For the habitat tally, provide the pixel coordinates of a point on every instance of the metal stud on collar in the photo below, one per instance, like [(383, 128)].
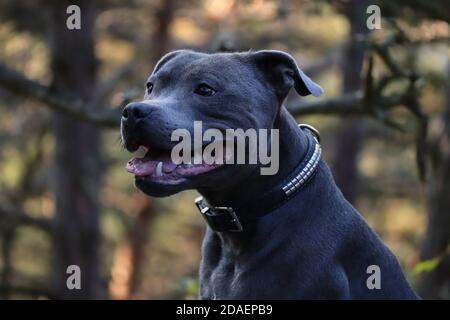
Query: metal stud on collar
[(307, 171)]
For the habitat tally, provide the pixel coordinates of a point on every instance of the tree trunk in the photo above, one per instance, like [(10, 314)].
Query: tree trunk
[(77, 237), (436, 283), (130, 255), (164, 17), (350, 137)]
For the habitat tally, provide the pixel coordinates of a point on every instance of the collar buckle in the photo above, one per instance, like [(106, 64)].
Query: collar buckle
[(219, 218)]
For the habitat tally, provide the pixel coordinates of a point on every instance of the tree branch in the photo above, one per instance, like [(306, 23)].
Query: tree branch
[(17, 217), (346, 104), (19, 84), (351, 103)]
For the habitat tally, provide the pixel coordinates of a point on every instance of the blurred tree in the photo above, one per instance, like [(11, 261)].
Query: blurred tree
[(30, 16), (71, 99), (164, 17), (436, 283), (77, 158), (350, 137)]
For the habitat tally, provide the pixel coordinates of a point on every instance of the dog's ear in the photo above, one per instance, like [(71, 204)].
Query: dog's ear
[(283, 73), (167, 57)]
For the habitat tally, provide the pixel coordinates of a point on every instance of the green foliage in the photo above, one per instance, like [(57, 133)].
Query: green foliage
[(427, 265)]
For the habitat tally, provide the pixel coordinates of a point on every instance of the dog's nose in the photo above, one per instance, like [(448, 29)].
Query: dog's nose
[(135, 111)]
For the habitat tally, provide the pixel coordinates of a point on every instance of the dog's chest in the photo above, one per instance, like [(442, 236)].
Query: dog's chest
[(224, 275), (226, 279)]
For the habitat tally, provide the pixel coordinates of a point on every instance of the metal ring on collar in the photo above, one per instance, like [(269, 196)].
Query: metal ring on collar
[(312, 129)]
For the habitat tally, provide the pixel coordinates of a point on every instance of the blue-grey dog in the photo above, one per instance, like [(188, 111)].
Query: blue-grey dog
[(290, 235)]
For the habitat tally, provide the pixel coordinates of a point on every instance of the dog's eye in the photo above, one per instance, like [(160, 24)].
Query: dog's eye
[(204, 90), (149, 86)]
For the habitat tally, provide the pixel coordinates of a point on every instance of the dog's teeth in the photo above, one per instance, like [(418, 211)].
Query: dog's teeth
[(159, 169)]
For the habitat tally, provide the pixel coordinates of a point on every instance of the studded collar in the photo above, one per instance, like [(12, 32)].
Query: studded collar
[(235, 219)]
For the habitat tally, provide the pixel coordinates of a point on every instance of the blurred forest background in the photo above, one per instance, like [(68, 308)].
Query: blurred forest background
[(66, 198)]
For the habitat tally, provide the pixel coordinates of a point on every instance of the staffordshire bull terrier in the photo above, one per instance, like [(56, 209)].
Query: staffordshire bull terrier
[(290, 235)]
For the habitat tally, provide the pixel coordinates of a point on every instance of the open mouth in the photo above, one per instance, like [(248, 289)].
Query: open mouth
[(157, 166)]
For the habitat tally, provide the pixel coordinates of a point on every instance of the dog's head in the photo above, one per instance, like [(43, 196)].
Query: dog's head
[(224, 91)]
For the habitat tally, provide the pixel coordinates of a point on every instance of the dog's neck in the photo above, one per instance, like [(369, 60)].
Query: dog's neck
[(293, 145)]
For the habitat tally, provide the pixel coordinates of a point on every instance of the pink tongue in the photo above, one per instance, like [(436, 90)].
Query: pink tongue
[(147, 165), (141, 166), (168, 167)]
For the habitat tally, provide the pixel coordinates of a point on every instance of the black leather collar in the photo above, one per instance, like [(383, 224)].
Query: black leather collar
[(236, 218)]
